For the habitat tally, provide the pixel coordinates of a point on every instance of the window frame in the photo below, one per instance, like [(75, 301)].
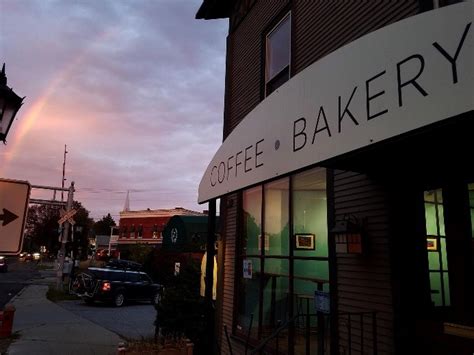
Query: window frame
[(240, 254), (287, 68)]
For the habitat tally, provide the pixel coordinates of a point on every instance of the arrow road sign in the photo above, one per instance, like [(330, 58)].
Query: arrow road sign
[(14, 198), (7, 217)]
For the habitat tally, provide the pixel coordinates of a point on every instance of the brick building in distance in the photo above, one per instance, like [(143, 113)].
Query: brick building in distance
[(146, 226)]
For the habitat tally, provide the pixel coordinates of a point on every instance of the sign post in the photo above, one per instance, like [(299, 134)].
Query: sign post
[(14, 199), (66, 217)]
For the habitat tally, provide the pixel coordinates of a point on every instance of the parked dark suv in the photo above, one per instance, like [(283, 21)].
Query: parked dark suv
[(118, 282)]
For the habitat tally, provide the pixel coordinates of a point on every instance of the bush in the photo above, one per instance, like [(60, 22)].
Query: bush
[(138, 253), (181, 310), (160, 264)]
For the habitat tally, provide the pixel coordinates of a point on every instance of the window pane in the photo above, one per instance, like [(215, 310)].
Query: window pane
[(447, 299), (433, 260), (276, 217), (310, 210), (308, 273), (278, 49), (441, 220), (444, 257), (252, 206), (435, 283), (248, 299), (430, 216), (275, 295)]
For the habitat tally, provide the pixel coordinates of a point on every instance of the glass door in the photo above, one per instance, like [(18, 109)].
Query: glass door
[(436, 248), (449, 227)]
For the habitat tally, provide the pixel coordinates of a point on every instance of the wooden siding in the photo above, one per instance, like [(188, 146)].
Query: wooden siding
[(246, 61), (231, 218), (364, 283), (320, 27)]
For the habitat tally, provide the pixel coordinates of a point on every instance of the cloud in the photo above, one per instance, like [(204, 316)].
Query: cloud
[(135, 90)]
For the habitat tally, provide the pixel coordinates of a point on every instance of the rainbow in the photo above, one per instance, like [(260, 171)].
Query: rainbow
[(27, 121)]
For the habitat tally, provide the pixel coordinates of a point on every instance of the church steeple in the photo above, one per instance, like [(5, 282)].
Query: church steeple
[(126, 207)]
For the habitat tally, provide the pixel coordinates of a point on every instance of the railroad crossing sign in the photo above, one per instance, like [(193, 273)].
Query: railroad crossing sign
[(14, 199), (67, 216)]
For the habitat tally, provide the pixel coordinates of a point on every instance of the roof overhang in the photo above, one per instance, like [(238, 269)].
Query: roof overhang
[(214, 9), (402, 77)]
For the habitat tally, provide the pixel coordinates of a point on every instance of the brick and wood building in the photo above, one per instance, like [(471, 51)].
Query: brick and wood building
[(345, 176)]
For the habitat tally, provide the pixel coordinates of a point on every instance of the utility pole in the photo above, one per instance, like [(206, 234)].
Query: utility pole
[(64, 172), (64, 238)]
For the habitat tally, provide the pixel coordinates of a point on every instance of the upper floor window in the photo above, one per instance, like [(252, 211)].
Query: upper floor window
[(277, 55)]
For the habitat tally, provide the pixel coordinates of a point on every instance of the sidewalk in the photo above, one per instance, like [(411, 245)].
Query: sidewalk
[(46, 328)]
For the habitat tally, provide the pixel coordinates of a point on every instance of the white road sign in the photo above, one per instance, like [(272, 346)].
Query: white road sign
[(67, 216), (14, 198)]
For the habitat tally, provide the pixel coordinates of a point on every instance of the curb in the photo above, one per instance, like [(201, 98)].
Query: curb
[(17, 295)]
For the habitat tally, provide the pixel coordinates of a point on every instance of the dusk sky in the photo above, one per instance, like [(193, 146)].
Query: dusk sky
[(135, 90)]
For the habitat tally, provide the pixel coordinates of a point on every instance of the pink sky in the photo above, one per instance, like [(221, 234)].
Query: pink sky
[(134, 88)]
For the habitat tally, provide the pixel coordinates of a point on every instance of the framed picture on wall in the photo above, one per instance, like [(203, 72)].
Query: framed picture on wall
[(432, 243), (305, 241)]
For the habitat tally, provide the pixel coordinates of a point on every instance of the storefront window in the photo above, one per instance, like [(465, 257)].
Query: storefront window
[(292, 254), (436, 247), (275, 296), (276, 218), (250, 266), (248, 295), (310, 212), (252, 209)]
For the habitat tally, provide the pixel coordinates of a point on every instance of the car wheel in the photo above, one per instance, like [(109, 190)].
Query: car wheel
[(156, 299), (88, 301), (119, 299)]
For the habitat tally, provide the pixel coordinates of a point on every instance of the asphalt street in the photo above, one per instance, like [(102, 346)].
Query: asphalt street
[(18, 275), (132, 321)]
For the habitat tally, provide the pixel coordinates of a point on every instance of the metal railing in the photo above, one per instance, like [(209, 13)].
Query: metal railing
[(357, 335)]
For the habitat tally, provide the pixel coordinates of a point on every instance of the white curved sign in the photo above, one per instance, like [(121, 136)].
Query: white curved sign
[(402, 77)]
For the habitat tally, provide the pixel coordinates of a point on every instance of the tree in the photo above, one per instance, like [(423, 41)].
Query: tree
[(181, 309), (42, 228), (139, 252), (102, 227)]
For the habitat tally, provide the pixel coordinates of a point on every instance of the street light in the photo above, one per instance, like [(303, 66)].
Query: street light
[(10, 103)]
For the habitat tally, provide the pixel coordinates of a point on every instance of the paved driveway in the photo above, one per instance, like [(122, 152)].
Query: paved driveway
[(133, 321)]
